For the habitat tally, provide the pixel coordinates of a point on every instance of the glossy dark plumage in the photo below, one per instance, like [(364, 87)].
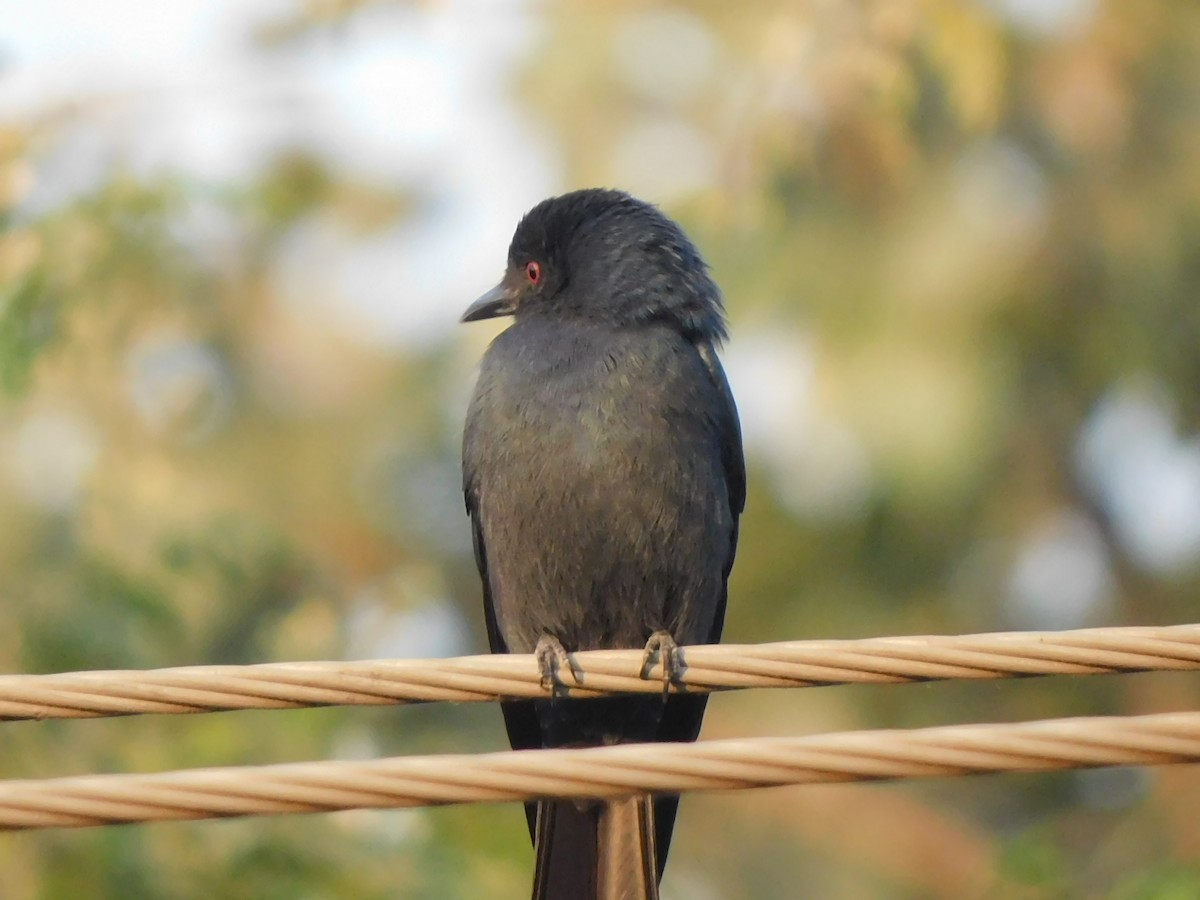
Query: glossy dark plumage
[(603, 474)]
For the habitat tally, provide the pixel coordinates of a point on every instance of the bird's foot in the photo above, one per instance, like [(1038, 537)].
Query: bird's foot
[(662, 645), (551, 657)]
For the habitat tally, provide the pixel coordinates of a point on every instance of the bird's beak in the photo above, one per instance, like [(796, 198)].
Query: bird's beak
[(499, 301)]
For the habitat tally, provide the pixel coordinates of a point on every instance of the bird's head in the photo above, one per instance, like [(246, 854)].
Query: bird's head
[(604, 256)]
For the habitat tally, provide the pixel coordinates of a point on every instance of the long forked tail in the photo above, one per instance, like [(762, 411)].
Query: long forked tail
[(601, 850)]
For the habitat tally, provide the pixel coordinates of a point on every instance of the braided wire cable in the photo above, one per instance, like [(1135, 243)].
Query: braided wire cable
[(601, 771), (197, 689)]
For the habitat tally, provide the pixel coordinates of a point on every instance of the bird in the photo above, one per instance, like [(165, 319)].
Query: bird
[(604, 479)]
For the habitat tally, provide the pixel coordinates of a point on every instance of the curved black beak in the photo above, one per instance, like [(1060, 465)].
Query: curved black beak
[(499, 301)]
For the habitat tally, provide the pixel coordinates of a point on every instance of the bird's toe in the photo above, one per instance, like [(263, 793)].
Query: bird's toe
[(552, 656), (662, 646)]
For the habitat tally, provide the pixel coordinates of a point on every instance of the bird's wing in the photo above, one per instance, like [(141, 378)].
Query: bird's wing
[(495, 638), (523, 730), (520, 716), (683, 713), (732, 458)]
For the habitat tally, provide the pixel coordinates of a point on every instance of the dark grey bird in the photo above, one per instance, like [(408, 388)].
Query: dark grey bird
[(603, 473)]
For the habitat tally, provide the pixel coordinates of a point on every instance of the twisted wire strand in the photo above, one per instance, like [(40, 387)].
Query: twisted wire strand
[(198, 689), (601, 771)]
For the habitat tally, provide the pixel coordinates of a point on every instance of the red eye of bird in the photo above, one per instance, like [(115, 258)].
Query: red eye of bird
[(533, 272)]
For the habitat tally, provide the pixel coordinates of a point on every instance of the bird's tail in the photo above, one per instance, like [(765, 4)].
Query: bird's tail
[(600, 850)]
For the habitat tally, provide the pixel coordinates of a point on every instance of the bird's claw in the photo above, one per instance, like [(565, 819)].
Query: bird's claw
[(551, 657), (663, 646)]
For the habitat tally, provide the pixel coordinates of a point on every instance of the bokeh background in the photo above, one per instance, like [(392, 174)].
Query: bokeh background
[(960, 246)]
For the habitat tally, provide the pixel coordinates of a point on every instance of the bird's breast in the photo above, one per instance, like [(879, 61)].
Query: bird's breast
[(600, 490)]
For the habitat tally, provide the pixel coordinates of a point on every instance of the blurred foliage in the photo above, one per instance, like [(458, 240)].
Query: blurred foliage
[(949, 234)]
